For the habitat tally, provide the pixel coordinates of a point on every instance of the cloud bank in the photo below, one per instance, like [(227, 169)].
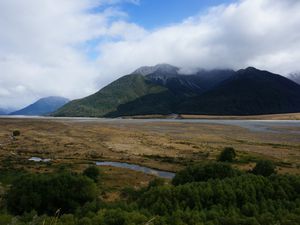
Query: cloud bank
[(67, 48), (260, 33)]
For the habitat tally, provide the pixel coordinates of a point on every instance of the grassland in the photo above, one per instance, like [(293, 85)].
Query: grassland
[(163, 145)]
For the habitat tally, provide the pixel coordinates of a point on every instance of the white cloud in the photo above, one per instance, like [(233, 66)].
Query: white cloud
[(41, 47), (260, 33), (44, 50)]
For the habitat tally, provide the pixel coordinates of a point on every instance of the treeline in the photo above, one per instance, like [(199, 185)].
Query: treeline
[(208, 194)]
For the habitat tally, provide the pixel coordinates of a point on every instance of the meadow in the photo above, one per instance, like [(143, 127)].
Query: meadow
[(167, 145)]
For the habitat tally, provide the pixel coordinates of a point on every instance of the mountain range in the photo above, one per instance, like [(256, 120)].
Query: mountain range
[(43, 106), (162, 89)]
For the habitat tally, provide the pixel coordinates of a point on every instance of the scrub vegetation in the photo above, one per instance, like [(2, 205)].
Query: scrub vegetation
[(201, 194)]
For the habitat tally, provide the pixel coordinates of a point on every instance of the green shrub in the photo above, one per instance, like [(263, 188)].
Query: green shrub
[(16, 133), (67, 219), (92, 172), (200, 172), (156, 182), (5, 219), (121, 217), (264, 168), (227, 155), (85, 221), (46, 193)]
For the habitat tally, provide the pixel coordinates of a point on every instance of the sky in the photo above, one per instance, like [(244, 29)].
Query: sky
[(72, 48)]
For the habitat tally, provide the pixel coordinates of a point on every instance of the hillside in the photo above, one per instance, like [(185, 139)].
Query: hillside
[(124, 90), (43, 106), (248, 92)]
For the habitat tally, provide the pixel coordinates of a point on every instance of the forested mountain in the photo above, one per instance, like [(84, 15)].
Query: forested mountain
[(124, 90), (249, 91)]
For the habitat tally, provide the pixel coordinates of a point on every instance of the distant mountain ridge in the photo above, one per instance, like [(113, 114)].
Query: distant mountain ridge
[(4, 111), (163, 90), (43, 106)]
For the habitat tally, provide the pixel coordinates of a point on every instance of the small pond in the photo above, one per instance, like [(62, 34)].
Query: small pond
[(37, 159)]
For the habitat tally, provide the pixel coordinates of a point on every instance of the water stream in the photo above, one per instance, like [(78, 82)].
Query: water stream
[(147, 170)]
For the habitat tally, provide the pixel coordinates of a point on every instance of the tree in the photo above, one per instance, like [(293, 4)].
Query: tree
[(156, 182), (46, 193), (92, 172), (204, 172), (227, 155), (16, 133), (264, 168)]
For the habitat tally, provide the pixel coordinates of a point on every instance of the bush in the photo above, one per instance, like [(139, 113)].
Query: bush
[(264, 168), (204, 172), (46, 193), (92, 172), (227, 155), (16, 133), (121, 217), (5, 219), (156, 182)]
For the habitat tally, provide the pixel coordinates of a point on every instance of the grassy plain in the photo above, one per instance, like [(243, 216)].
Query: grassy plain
[(169, 146)]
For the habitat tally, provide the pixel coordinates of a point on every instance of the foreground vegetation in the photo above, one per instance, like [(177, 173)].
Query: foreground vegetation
[(212, 193)]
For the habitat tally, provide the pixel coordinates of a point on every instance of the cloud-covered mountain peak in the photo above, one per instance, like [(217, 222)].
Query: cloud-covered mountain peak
[(159, 69), (295, 77)]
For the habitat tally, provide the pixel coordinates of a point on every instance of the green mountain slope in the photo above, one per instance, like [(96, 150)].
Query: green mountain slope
[(124, 90), (163, 103)]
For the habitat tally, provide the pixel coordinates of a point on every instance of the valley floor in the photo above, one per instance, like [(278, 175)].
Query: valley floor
[(167, 145)]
